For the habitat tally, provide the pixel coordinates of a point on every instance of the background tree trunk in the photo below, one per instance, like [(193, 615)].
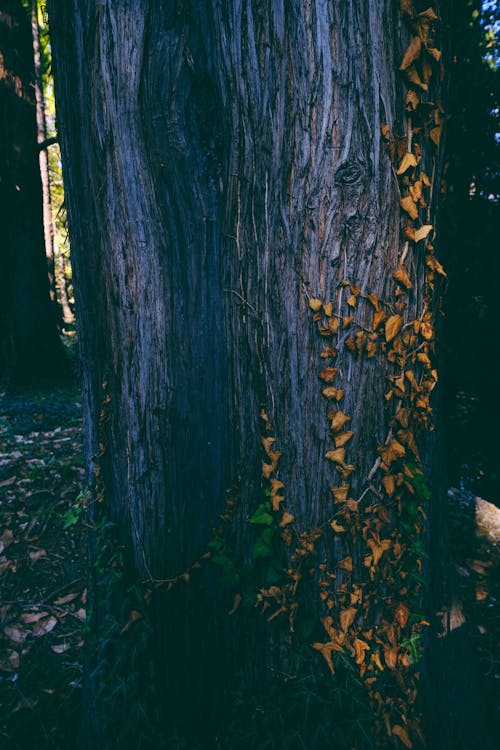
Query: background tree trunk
[(231, 168), (30, 345)]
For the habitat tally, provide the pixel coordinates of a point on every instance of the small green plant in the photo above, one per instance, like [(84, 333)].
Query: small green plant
[(75, 513)]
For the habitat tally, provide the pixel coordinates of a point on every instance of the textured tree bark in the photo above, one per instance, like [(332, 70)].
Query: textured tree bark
[(231, 167), (29, 343)]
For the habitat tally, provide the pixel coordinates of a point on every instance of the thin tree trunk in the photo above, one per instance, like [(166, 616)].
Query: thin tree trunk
[(29, 342), (232, 173)]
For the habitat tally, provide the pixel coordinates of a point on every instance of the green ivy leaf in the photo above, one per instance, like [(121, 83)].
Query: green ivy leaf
[(262, 516)]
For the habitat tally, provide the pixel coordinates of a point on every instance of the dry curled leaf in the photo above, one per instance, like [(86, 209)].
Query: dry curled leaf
[(328, 374), (412, 53), (407, 162), (360, 647), (402, 277), (347, 617), (286, 518), (342, 438), (339, 419), (409, 205), (315, 304), (421, 234), (402, 734), (340, 493), (393, 325)]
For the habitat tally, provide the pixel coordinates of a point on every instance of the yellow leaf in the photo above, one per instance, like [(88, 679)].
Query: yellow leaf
[(416, 193), (412, 100), (328, 352), (393, 326), (421, 234), (378, 317), (340, 493), (360, 647), (338, 529), (378, 548), (347, 320), (338, 420), (328, 309), (425, 179), (286, 518), (389, 484), (409, 205), (435, 265), (332, 392), (328, 374), (402, 277), (400, 732), (315, 304), (347, 617), (373, 298), (338, 455), (407, 162), (412, 53), (345, 564), (333, 324), (343, 437)]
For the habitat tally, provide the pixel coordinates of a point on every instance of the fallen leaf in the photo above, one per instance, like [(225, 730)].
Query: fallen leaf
[(30, 617), (36, 555), (44, 626), (66, 599), (15, 634), (8, 482), (60, 648)]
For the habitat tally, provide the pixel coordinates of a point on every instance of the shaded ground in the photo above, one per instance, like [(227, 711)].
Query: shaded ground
[(43, 597), (42, 604)]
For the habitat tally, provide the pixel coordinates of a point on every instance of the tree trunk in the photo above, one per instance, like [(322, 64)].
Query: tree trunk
[(230, 178), (30, 346)]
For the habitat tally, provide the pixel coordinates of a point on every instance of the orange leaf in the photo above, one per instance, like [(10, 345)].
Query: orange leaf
[(409, 205), (343, 437), (360, 647), (401, 276), (412, 53), (315, 304), (347, 617), (393, 326), (400, 732), (338, 420)]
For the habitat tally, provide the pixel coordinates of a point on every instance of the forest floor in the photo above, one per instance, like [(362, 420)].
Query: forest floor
[(42, 569), (43, 594)]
